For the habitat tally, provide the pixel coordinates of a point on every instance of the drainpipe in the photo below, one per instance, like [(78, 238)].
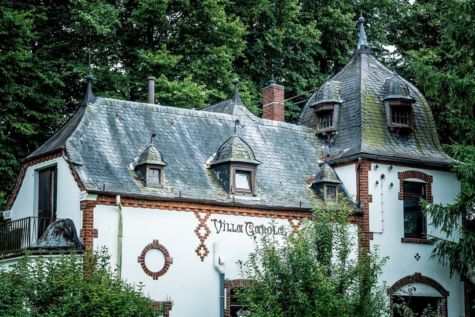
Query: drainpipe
[(119, 237), (219, 265)]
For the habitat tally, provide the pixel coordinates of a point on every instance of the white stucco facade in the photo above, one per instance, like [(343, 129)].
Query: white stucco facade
[(192, 284), (68, 193), (386, 224)]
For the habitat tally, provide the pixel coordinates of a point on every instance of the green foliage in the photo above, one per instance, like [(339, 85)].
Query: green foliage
[(313, 273), (67, 286)]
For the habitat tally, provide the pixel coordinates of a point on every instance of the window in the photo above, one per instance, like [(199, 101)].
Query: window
[(330, 193), (414, 218), (418, 304), (154, 177), (46, 198), (236, 309), (325, 119), (401, 116), (243, 180)]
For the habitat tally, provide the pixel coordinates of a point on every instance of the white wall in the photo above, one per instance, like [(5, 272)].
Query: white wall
[(347, 174), (386, 223), (68, 205), (191, 284)]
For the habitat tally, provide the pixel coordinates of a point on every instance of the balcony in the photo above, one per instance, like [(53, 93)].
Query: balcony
[(21, 234)]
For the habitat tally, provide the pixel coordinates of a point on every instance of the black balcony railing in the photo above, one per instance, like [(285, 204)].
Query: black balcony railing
[(18, 235)]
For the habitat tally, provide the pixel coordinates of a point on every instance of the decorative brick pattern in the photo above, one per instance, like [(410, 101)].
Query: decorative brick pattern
[(419, 278), (155, 245), (273, 102), (166, 306), (419, 175), (295, 224), (230, 286), (22, 174), (203, 208), (416, 240), (88, 232), (364, 198), (202, 232)]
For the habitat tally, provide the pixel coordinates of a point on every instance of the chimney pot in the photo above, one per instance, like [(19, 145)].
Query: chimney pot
[(273, 102), (151, 89)]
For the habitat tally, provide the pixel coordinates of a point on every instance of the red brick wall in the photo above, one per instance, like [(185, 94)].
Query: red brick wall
[(88, 232), (364, 198), (273, 102)]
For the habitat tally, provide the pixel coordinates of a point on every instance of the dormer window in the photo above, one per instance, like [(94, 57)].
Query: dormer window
[(398, 104), (325, 119), (326, 183), (235, 166), (401, 114), (331, 192), (154, 178), (149, 166), (242, 179), (326, 104)]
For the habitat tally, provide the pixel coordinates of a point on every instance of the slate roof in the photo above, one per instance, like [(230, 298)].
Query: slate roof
[(362, 124), (111, 134), (235, 149)]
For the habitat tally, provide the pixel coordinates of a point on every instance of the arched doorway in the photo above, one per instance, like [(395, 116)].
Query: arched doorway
[(419, 292)]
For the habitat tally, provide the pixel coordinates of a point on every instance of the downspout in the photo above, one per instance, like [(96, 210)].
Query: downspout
[(119, 237), (219, 265)]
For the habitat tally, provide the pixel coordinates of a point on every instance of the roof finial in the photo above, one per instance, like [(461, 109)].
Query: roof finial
[(89, 79), (236, 99), (152, 137), (362, 41)]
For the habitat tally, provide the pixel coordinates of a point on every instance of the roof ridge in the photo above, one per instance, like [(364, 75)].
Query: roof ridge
[(220, 115)]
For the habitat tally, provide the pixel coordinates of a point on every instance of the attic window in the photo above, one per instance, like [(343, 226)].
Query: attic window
[(243, 179), (154, 177), (331, 192), (401, 115), (325, 118)]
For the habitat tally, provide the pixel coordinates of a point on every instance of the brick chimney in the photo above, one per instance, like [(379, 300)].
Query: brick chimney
[(273, 101)]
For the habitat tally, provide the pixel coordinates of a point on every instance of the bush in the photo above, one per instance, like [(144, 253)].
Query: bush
[(314, 273), (68, 286)]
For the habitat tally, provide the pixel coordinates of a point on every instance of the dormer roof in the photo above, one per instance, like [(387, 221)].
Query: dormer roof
[(328, 93), (150, 155), (325, 174), (235, 149), (395, 88)]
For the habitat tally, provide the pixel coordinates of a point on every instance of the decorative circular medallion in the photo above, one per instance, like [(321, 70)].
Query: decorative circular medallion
[(168, 260)]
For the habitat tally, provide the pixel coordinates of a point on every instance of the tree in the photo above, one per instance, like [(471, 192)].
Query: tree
[(436, 44), (314, 272), (67, 286)]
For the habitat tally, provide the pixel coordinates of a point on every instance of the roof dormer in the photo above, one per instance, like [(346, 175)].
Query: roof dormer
[(326, 183), (235, 166), (150, 166), (398, 104), (326, 105)]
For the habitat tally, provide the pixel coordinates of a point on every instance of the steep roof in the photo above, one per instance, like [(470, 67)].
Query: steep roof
[(362, 123), (110, 135)]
